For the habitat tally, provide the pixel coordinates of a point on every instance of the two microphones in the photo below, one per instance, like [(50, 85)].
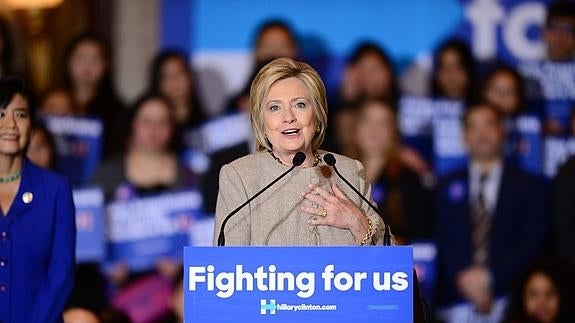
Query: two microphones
[(297, 160)]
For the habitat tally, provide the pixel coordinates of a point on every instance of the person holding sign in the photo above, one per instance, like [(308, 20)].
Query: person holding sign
[(311, 205), (37, 223), (148, 168)]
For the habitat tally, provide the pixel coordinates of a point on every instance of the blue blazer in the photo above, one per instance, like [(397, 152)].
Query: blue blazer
[(37, 248), (518, 230)]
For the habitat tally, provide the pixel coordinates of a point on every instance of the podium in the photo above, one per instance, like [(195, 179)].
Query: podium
[(298, 284)]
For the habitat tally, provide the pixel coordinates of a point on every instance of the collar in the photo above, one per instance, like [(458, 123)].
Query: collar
[(495, 171)]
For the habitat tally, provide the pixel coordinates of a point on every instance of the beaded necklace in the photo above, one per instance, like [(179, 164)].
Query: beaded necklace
[(10, 177), (317, 158)]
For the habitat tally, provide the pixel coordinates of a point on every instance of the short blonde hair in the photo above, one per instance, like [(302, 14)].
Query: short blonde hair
[(280, 69)]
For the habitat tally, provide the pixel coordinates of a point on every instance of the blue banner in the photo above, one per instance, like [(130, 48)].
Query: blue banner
[(416, 121), (78, 146), (557, 151), (524, 146), (449, 149), (525, 143), (509, 30), (551, 89), (90, 245), (298, 284), (220, 133), (143, 230), (425, 263)]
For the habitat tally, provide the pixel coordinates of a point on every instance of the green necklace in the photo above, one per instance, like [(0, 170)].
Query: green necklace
[(11, 177)]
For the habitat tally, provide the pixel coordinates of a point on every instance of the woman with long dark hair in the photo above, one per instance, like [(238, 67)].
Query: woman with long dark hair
[(172, 77), (543, 294), (88, 79), (397, 189), (453, 71)]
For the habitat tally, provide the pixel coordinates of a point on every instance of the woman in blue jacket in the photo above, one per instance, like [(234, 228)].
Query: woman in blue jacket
[(37, 227)]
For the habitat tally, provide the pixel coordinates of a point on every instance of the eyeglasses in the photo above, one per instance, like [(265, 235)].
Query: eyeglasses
[(564, 27)]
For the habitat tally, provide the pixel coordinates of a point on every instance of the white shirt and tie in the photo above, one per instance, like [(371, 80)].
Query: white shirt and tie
[(489, 187)]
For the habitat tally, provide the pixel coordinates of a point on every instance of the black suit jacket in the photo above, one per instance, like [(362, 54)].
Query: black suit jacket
[(210, 180), (563, 203)]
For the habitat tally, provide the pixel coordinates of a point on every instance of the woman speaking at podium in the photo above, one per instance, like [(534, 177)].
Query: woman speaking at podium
[(309, 205)]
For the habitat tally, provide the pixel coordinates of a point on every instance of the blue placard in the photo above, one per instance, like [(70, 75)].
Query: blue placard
[(143, 230), (425, 263), (78, 146), (416, 121), (298, 284), (90, 245), (524, 146), (220, 133), (449, 149), (557, 152), (525, 143), (551, 89)]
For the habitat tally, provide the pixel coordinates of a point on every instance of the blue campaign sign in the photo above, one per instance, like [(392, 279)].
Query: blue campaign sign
[(78, 145), (90, 245), (415, 123), (144, 230), (557, 151), (215, 134), (551, 87), (298, 284), (449, 149), (425, 263), (416, 120), (525, 143)]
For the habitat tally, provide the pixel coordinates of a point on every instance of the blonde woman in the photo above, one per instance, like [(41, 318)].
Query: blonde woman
[(311, 205)]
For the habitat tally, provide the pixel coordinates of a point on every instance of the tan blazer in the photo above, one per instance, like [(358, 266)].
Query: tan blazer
[(275, 217)]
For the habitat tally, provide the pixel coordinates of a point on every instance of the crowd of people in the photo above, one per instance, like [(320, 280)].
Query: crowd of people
[(503, 232)]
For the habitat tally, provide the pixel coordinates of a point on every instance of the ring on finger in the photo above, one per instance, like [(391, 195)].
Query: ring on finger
[(323, 213)]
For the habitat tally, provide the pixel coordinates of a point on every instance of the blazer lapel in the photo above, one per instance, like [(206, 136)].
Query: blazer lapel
[(27, 194)]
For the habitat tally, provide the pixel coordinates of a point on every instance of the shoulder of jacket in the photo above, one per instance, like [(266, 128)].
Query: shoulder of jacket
[(251, 160)]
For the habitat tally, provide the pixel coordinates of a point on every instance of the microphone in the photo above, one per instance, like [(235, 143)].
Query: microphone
[(297, 160), (421, 310), (330, 160)]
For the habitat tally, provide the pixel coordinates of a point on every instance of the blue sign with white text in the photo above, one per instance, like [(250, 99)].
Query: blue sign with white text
[(557, 152), (551, 89), (525, 143), (90, 245), (298, 284), (144, 230), (417, 116), (78, 145), (449, 149)]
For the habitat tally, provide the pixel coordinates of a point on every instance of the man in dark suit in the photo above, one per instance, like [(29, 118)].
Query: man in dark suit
[(491, 222)]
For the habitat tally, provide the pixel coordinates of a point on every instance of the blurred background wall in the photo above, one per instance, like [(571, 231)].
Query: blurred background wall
[(218, 35)]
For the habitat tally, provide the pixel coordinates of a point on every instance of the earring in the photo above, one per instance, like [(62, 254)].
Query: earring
[(318, 128)]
